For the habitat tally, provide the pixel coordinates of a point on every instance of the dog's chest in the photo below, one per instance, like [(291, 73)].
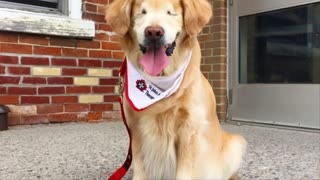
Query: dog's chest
[(158, 148)]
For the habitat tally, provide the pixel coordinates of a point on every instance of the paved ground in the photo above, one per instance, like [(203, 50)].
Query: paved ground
[(92, 151)]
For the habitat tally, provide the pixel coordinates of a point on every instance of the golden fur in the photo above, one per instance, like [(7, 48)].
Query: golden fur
[(180, 136)]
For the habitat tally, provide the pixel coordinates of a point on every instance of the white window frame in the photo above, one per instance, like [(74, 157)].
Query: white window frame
[(70, 23)]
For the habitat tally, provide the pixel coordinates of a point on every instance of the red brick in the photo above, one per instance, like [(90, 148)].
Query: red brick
[(102, 36), (222, 99), (103, 2), (115, 38), (222, 116), (221, 108), (34, 61), (101, 107), (66, 117), (52, 108), (61, 41), (101, 10), (94, 17), (100, 54), (75, 52), (220, 4), (21, 90), (93, 116), (44, 50), (118, 55), (76, 107), (219, 12), (111, 98), (104, 27), (219, 92), (219, 35), (9, 99), (16, 48), (82, 116), (206, 74), (113, 115), (90, 63), (51, 90), (63, 62), (88, 44), (34, 119), (13, 120), (74, 72), (33, 39), (9, 80), (19, 70), (90, 8), (34, 80), (115, 73), (2, 70), (219, 68), (8, 59), (64, 99), (3, 90), (218, 76), (34, 100), (103, 89), (60, 80), (78, 89), (8, 37), (206, 67), (204, 37), (111, 46), (110, 81)]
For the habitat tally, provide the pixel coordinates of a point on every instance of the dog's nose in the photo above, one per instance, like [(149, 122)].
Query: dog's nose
[(154, 32)]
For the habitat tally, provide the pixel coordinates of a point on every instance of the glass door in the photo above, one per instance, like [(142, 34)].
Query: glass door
[(274, 62)]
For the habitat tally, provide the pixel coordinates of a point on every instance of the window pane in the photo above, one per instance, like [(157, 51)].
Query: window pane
[(281, 46), (41, 3)]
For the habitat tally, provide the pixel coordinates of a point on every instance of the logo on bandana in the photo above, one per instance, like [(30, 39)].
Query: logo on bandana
[(141, 85)]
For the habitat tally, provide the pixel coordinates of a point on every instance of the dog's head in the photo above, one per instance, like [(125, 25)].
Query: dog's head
[(157, 26)]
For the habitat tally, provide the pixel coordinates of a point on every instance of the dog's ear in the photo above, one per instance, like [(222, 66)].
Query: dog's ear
[(196, 15), (118, 15)]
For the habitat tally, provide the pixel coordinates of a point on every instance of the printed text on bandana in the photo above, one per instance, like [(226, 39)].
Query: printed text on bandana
[(149, 90)]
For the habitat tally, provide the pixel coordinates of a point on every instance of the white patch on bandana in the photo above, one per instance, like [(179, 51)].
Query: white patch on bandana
[(143, 90)]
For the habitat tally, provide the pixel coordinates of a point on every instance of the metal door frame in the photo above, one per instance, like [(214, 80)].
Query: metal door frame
[(256, 6)]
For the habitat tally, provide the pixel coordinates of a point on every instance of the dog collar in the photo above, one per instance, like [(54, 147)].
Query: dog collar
[(142, 90)]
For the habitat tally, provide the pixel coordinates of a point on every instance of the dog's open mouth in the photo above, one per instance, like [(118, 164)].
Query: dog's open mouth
[(156, 58)]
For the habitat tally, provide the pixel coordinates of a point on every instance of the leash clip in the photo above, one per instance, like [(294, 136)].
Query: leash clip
[(121, 87)]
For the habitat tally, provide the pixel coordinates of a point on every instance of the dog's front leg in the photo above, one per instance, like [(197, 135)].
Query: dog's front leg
[(138, 167), (186, 147), (138, 170)]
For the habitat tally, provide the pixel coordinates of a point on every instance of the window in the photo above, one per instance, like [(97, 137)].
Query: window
[(49, 6), (281, 46), (51, 17)]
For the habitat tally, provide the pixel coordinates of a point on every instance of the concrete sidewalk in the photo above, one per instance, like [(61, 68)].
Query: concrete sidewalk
[(94, 151)]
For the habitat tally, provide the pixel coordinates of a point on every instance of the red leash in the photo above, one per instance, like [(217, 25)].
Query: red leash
[(126, 165)]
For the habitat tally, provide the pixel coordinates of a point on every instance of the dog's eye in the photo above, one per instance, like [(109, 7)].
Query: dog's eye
[(170, 13), (143, 11)]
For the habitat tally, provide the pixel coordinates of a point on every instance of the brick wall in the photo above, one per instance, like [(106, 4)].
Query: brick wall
[(213, 42), (52, 79)]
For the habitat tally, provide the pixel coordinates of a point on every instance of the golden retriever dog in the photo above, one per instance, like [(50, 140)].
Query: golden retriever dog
[(179, 136)]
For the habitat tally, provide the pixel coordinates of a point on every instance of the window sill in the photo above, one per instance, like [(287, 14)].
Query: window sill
[(48, 24)]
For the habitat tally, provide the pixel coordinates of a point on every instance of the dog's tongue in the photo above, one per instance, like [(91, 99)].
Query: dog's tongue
[(154, 60)]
